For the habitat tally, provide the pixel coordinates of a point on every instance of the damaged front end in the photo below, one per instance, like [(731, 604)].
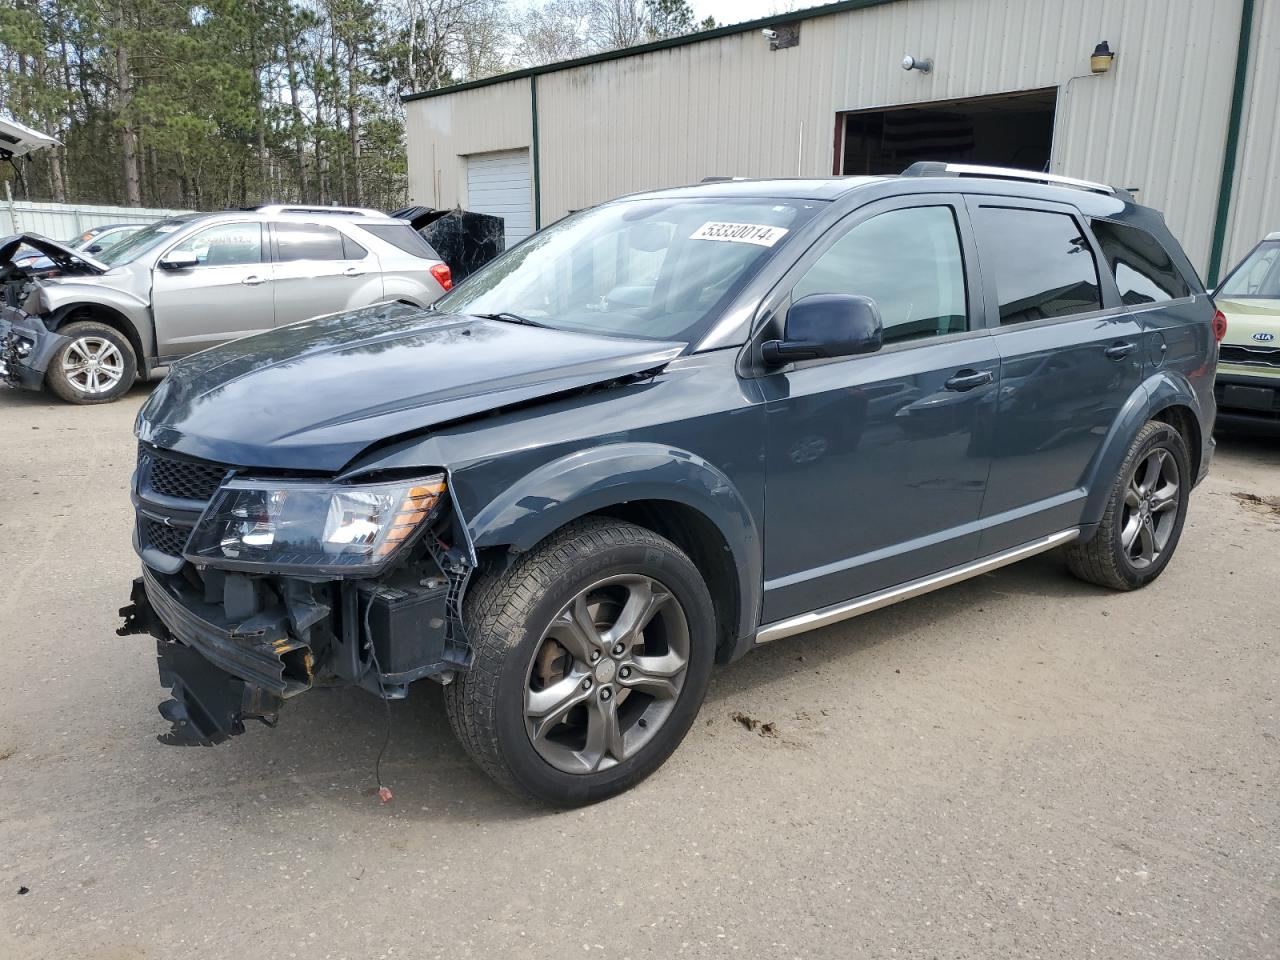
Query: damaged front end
[(248, 611), (27, 346)]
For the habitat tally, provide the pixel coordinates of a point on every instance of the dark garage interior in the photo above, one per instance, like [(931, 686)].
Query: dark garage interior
[(1008, 130)]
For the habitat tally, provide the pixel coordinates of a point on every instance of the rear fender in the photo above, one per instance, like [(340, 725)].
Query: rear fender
[(1158, 392), (589, 481)]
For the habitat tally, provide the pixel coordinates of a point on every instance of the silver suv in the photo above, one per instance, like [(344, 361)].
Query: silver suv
[(86, 327)]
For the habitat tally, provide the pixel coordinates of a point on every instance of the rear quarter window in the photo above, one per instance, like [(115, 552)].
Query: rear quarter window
[(1144, 271), (403, 237)]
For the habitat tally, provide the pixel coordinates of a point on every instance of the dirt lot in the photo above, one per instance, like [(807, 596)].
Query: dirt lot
[(1020, 766)]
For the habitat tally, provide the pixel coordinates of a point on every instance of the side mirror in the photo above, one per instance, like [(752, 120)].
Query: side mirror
[(179, 260), (94, 248), (827, 325)]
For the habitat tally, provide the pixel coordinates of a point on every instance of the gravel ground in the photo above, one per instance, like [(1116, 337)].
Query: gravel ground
[(1019, 766)]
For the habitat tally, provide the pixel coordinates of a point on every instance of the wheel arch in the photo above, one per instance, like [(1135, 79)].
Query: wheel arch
[(106, 315), (1165, 397), (672, 492)]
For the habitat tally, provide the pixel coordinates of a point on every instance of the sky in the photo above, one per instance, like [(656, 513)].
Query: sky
[(735, 11)]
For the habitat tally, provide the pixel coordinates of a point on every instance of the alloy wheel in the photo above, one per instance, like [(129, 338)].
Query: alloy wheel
[(606, 674), (1150, 508), (93, 365)]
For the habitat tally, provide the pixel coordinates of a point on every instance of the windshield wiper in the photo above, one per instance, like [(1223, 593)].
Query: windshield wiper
[(506, 316)]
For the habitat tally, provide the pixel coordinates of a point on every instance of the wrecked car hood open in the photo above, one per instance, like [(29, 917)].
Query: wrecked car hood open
[(63, 257), (315, 394)]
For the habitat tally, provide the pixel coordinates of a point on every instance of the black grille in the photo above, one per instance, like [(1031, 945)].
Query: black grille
[(1254, 356), (185, 479), (162, 537)]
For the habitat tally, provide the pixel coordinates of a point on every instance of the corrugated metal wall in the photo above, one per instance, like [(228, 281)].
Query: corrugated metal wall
[(62, 221), (730, 106), (442, 132), (1255, 211)]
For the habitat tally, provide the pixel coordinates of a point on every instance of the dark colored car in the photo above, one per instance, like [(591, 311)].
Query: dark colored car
[(659, 433)]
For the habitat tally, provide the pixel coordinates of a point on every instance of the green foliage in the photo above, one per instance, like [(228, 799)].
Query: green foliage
[(213, 103)]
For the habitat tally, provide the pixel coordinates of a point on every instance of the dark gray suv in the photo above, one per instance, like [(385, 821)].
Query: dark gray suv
[(659, 433)]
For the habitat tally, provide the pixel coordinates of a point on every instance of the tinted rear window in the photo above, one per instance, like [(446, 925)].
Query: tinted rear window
[(1043, 264), (404, 237), (1143, 270), (304, 241)]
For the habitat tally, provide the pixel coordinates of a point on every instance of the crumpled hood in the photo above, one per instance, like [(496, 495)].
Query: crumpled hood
[(312, 395), (62, 256)]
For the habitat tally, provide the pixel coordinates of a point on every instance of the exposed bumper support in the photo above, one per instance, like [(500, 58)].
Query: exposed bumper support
[(243, 657), (219, 675), (26, 348)]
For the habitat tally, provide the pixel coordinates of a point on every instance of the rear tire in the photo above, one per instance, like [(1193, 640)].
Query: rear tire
[(1145, 513), (96, 365), (592, 657)]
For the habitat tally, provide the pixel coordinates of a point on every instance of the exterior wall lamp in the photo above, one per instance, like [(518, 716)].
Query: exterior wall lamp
[(1100, 60)]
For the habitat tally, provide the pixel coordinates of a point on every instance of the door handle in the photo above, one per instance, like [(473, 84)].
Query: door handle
[(968, 379), (253, 280), (1118, 351), (352, 272)]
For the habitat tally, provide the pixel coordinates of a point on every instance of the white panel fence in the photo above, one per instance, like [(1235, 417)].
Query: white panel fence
[(62, 221)]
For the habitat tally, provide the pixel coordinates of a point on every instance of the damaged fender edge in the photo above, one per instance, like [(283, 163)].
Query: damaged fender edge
[(27, 347)]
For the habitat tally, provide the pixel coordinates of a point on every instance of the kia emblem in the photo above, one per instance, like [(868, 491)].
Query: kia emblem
[(1264, 337)]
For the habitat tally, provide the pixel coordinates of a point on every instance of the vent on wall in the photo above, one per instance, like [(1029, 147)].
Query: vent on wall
[(786, 36)]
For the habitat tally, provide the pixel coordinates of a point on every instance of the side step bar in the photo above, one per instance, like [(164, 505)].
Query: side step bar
[(804, 622)]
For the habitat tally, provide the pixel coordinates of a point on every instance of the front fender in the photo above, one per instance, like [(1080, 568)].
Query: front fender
[(584, 482), (57, 300), (1158, 392)]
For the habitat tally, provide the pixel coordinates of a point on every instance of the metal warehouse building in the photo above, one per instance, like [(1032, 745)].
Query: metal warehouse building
[(1185, 113)]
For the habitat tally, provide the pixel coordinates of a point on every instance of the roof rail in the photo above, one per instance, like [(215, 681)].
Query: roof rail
[(273, 208), (928, 168)]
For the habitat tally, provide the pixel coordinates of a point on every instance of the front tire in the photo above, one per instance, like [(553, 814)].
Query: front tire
[(96, 364), (592, 657), (1145, 513)]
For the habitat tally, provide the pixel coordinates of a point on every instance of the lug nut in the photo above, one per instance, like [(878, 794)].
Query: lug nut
[(595, 655), (606, 693), (619, 648), (586, 684), (624, 672)]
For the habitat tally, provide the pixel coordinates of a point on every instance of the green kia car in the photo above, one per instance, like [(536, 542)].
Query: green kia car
[(1248, 383)]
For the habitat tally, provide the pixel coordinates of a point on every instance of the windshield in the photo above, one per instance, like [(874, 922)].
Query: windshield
[(655, 269), (1257, 276), (132, 246)]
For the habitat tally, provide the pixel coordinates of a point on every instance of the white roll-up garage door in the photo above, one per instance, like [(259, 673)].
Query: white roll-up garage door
[(499, 184)]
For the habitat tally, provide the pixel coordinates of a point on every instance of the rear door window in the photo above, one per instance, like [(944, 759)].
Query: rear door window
[(1143, 269), (1042, 264), (306, 241)]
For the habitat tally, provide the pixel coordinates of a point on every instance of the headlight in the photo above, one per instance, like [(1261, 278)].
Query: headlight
[(304, 527)]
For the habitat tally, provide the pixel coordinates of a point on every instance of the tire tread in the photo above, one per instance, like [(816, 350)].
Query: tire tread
[(495, 611), (1096, 561)]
